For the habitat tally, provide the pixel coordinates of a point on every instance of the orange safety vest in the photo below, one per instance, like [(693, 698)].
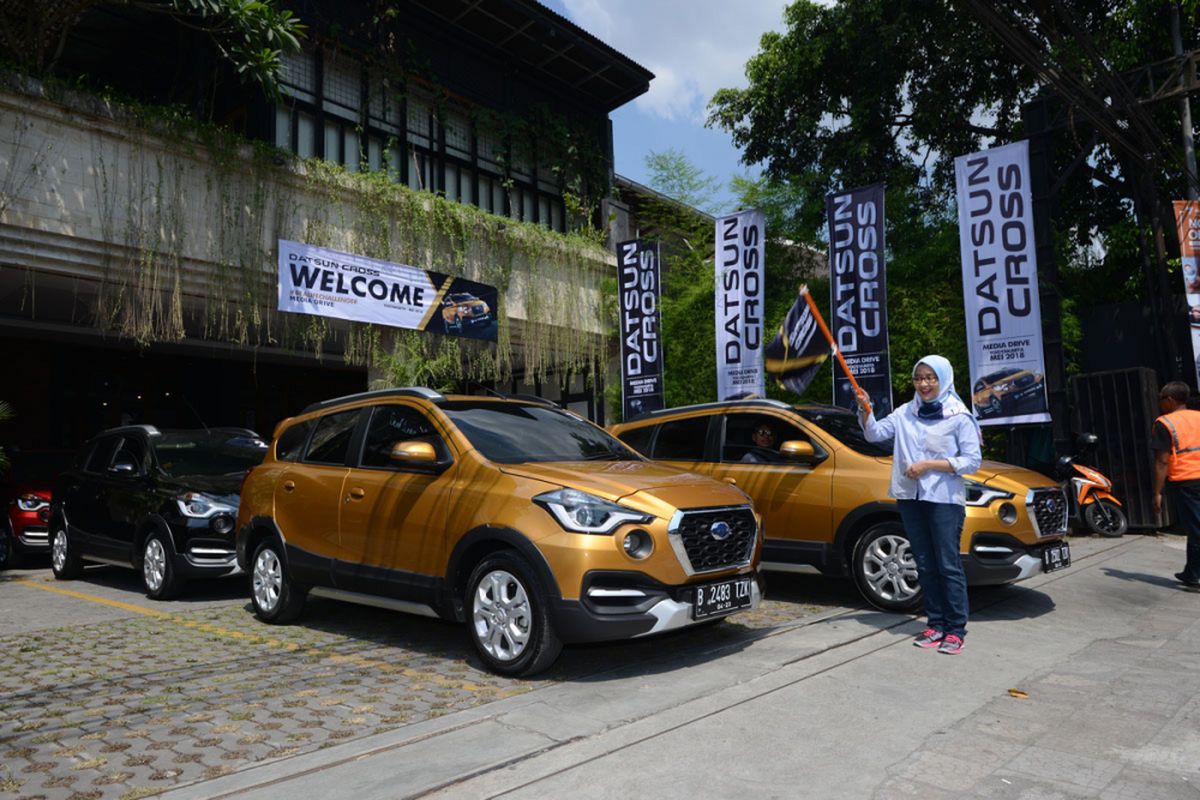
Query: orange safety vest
[(1184, 427)]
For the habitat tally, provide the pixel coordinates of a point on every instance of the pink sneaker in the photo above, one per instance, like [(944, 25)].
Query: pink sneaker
[(952, 645), (928, 638)]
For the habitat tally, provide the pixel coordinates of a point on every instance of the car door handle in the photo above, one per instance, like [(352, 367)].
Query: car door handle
[(289, 485), (356, 493)]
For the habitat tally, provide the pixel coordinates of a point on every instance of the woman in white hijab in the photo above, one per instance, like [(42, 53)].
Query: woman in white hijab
[(936, 443)]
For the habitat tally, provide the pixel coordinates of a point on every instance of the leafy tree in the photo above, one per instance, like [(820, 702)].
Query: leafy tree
[(674, 174), (250, 34)]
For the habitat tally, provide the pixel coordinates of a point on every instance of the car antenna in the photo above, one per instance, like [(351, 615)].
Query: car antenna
[(493, 392), (195, 413)]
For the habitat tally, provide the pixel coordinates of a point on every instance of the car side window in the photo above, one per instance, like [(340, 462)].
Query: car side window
[(291, 442), (132, 451), (102, 454), (681, 439), (638, 438), (755, 438), (331, 439), (391, 424)]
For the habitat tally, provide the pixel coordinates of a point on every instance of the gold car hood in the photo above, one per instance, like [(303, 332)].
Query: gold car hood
[(614, 480), (989, 471)]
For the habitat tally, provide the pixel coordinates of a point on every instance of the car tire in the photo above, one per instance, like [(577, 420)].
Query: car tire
[(65, 562), (10, 557), (1105, 518), (884, 569), (159, 578), (507, 616), (276, 598)]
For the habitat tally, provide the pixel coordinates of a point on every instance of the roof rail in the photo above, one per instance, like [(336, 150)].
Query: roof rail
[(149, 430), (407, 391), (760, 402)]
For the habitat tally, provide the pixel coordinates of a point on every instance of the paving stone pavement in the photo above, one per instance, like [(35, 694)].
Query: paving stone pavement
[(132, 707)]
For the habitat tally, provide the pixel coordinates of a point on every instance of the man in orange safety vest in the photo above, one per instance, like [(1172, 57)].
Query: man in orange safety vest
[(1175, 439)]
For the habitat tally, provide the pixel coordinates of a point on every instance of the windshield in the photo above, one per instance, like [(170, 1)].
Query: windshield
[(208, 452), (511, 433), (844, 427)]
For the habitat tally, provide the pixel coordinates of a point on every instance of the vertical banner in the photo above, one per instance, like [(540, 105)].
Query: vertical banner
[(1187, 220), (638, 288), (1000, 286), (858, 295), (739, 304)]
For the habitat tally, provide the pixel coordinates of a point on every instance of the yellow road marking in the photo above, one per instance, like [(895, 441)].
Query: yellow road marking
[(104, 601), (207, 627)]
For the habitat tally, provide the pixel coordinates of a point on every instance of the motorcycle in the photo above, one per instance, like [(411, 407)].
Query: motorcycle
[(1090, 501)]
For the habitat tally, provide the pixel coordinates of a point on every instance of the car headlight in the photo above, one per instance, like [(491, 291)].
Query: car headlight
[(201, 506), (581, 512), (979, 494), (31, 502)]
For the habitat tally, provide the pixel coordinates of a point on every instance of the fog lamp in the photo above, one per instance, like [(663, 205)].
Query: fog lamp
[(1007, 513), (638, 544), (222, 524)]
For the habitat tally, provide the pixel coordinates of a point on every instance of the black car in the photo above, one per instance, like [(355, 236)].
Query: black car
[(162, 502)]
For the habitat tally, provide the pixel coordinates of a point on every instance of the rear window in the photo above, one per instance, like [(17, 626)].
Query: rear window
[(291, 442), (682, 439), (331, 440)]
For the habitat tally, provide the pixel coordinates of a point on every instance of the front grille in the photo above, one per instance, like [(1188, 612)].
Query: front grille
[(697, 548), (1048, 511)]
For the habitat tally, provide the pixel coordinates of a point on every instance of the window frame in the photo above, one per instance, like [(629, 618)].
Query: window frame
[(355, 433)]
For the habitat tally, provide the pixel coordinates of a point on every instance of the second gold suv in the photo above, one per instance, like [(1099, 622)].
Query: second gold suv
[(527, 522), (821, 488)]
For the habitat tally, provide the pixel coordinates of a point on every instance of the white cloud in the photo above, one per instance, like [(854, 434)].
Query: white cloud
[(693, 47)]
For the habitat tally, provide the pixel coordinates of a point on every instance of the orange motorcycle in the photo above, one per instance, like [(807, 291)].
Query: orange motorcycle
[(1091, 503)]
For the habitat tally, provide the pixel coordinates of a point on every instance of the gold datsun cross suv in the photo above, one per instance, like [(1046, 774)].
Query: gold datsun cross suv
[(530, 524), (821, 488)]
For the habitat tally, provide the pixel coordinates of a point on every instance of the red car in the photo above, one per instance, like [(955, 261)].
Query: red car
[(25, 499)]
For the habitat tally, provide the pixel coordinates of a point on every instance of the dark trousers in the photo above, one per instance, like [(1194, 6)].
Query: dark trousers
[(1185, 500), (934, 530)]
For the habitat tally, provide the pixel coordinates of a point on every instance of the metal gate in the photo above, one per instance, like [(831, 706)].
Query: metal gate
[(1119, 407)]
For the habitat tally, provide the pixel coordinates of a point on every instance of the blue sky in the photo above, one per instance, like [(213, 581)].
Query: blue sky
[(694, 47)]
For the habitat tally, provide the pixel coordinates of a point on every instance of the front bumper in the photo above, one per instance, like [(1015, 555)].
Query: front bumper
[(625, 605), (30, 531), (997, 558)]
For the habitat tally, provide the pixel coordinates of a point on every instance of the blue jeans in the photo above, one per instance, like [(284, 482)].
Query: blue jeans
[(1186, 503), (934, 531)]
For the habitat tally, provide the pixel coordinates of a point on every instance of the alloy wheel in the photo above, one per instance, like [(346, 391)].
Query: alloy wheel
[(58, 550), (267, 580), (889, 568), (154, 564), (502, 615)]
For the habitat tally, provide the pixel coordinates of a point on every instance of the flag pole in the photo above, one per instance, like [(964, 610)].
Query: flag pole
[(812, 306)]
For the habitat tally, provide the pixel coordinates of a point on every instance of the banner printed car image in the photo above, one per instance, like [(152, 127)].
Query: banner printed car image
[(1000, 288), (329, 283)]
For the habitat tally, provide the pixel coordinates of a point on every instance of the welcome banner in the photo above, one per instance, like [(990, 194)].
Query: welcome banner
[(739, 304), (858, 295), (1187, 220), (328, 283), (1000, 288), (639, 290)]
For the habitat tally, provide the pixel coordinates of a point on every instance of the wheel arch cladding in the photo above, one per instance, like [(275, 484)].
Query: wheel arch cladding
[(857, 522), (481, 542)]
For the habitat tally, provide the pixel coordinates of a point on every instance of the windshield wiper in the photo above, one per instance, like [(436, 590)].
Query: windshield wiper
[(611, 455)]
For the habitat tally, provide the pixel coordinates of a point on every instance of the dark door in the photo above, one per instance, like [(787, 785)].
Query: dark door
[(128, 496), (82, 489)]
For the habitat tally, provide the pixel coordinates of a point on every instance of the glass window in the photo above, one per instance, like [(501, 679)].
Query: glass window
[(102, 454), (132, 451), (306, 135), (527, 205), (418, 122), (283, 127), (210, 453), (393, 424), (845, 428), (458, 134), (638, 438), (755, 438), (298, 75), (544, 211), (331, 439), (291, 442), (450, 176), (374, 154), (351, 156), (682, 439), (514, 433), (342, 89)]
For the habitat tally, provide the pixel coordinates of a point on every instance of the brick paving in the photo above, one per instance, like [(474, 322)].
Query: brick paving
[(132, 707)]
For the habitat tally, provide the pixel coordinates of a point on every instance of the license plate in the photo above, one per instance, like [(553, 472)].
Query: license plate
[(1056, 556), (718, 598)]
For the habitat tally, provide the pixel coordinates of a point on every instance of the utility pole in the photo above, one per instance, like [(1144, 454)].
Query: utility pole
[(1185, 112)]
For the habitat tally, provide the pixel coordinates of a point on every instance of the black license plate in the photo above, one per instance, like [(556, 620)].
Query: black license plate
[(1056, 556), (718, 598)]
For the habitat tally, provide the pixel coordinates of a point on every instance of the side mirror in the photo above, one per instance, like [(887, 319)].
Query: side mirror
[(797, 450), (123, 468), (417, 455)]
